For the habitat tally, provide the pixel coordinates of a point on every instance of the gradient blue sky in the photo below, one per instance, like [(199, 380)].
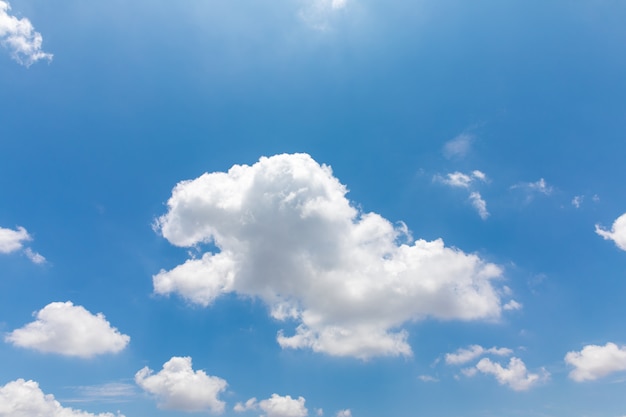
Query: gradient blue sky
[(496, 126)]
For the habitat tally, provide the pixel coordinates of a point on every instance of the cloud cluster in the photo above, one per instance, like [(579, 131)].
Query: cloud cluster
[(178, 387), (594, 361), (13, 240), (69, 330), (617, 233), (287, 234), (515, 376), (463, 355), (20, 38), (22, 398), (276, 406)]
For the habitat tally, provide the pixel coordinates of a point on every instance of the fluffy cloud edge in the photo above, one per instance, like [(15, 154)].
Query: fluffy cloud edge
[(21, 398), (178, 387), (69, 330), (617, 233), (20, 38), (515, 375), (13, 240), (594, 362)]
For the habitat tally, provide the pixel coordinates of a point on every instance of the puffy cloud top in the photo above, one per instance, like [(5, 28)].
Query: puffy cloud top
[(287, 234), (276, 406), (617, 233), (516, 376), (69, 330), (178, 387), (22, 398), (20, 38), (594, 361)]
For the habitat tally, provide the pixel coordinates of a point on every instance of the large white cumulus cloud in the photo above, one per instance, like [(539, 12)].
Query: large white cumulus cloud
[(178, 387), (594, 361), (22, 398), (20, 38), (617, 233), (287, 234), (69, 330)]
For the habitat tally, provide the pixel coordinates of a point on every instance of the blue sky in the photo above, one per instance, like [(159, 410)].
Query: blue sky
[(312, 208)]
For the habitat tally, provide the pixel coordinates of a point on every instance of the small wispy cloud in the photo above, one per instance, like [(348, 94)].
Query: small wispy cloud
[(319, 13), (578, 200), (114, 392), (479, 204), (459, 146), (20, 38), (461, 180)]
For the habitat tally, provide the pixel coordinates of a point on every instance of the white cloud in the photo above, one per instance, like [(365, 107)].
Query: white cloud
[(22, 398), (344, 413), (13, 240), (578, 200), (462, 356), (278, 406), (69, 330), (459, 146), (461, 180), (479, 204), (20, 38), (617, 233), (516, 376), (427, 378), (178, 387), (287, 235), (512, 306), (594, 361), (34, 256)]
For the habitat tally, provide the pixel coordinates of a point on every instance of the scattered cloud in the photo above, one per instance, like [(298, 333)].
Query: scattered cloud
[(178, 387), (459, 146), (461, 180), (277, 406), (345, 277), (479, 204), (13, 241), (69, 330), (462, 355), (594, 361), (20, 38), (22, 398), (578, 200), (427, 378), (344, 413), (515, 376), (617, 233), (533, 188)]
